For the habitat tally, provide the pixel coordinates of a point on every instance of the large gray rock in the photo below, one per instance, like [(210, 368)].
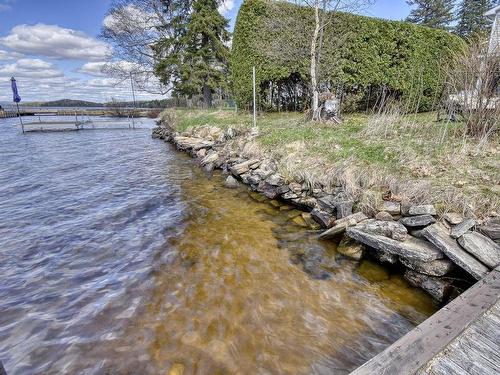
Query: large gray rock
[(188, 143), (231, 182), (271, 191), (417, 221), (462, 228), (275, 180), (394, 230), (438, 235), (322, 218), (453, 218), (327, 203), (482, 247), (491, 228), (424, 209), (394, 208), (384, 216), (436, 287), (438, 267), (342, 224), (305, 202), (210, 158), (343, 209), (412, 248), (244, 167)]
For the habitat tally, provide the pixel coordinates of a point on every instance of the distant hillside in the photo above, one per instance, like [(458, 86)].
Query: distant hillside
[(70, 103)]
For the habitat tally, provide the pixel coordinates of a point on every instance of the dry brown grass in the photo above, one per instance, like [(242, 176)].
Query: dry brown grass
[(412, 156)]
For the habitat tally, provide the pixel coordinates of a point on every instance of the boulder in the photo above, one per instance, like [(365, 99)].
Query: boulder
[(275, 180), (384, 216), (201, 153), (304, 202), (271, 191), (254, 179), (210, 158), (327, 203), (342, 224), (412, 248), (462, 228), (439, 236), (438, 267), (438, 288), (244, 167), (393, 208), (482, 247), (417, 221), (491, 228), (290, 195), (350, 248), (424, 209), (190, 143), (392, 229), (343, 209), (322, 218), (453, 218), (231, 182)]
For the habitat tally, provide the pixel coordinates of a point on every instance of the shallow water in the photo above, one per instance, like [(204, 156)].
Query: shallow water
[(118, 255)]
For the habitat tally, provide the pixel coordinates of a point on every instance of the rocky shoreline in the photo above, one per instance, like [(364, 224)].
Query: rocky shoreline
[(433, 251)]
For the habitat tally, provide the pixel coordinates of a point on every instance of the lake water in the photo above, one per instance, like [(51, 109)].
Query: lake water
[(118, 255)]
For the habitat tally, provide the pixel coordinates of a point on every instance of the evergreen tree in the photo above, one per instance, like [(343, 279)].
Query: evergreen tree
[(471, 18), (432, 13), (198, 63)]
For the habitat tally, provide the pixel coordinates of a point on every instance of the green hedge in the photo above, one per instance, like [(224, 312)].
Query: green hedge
[(358, 52)]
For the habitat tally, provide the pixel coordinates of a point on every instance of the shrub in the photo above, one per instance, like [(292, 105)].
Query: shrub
[(360, 54)]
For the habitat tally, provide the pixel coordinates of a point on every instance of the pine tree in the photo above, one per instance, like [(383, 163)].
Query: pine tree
[(198, 63), (433, 13), (471, 18)]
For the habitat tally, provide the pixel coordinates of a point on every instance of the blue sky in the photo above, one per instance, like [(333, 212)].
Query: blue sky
[(51, 46)]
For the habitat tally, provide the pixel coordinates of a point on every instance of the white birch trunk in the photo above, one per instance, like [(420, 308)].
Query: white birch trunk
[(314, 82)]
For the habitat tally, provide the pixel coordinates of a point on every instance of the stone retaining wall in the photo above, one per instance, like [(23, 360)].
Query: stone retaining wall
[(433, 251)]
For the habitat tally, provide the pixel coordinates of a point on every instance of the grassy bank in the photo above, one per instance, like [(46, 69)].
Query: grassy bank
[(411, 156)]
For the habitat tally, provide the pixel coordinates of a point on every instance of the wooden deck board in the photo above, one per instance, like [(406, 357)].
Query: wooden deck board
[(461, 338)]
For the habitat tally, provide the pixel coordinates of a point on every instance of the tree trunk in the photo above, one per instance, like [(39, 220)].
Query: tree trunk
[(314, 83), (207, 96)]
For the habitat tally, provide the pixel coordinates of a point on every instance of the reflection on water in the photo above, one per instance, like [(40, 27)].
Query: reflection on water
[(120, 256)]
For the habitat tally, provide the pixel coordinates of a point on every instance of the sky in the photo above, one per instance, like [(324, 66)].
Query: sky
[(53, 49)]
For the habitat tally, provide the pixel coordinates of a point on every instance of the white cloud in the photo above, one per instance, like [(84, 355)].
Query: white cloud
[(226, 6), (6, 55), (30, 68), (130, 18), (5, 5), (56, 42), (102, 68)]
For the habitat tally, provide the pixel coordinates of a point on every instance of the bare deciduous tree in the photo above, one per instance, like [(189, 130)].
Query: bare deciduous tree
[(133, 28), (324, 14), (474, 88)]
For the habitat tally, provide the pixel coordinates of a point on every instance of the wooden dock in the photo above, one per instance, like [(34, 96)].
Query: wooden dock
[(112, 112), (461, 338)]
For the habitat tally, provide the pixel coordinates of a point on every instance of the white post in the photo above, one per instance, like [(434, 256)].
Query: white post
[(254, 101)]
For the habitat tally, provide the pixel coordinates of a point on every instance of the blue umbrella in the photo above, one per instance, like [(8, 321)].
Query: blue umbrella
[(17, 98)]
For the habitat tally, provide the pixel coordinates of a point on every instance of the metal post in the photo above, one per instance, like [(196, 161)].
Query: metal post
[(254, 101), (20, 119), (133, 97)]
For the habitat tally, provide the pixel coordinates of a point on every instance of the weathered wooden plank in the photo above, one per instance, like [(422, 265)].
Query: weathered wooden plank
[(416, 349)]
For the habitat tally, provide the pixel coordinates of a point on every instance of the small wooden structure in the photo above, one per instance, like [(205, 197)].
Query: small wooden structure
[(461, 338)]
